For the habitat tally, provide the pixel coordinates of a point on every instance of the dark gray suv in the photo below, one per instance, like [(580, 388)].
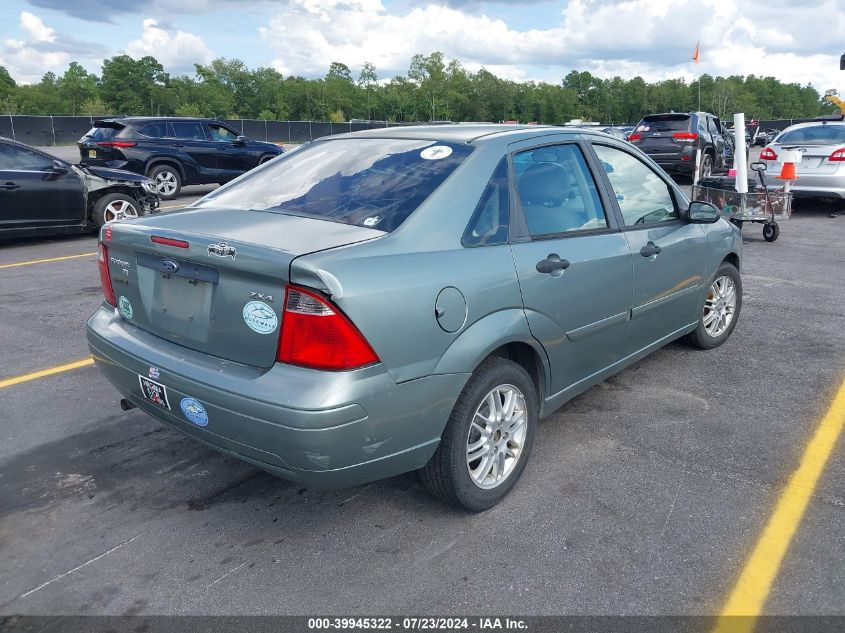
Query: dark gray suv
[(671, 141)]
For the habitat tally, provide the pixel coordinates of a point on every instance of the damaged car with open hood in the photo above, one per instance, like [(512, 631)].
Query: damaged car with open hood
[(42, 194)]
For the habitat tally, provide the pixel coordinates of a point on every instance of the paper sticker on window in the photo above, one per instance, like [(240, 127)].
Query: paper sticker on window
[(435, 152)]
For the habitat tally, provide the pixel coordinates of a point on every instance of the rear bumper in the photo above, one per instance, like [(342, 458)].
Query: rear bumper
[(329, 429), (680, 162)]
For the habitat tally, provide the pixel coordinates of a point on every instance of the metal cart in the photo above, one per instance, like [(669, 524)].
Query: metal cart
[(762, 205)]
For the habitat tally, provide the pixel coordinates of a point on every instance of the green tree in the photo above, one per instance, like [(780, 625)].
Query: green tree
[(367, 81), (77, 85), (133, 86)]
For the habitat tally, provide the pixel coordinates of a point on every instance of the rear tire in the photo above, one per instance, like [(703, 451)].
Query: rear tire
[(706, 169), (114, 206), (168, 181), (718, 305), (485, 447)]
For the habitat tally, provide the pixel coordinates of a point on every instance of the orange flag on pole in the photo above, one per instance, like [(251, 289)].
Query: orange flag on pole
[(695, 53)]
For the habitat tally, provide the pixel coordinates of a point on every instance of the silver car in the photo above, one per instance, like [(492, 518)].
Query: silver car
[(409, 298), (821, 172)]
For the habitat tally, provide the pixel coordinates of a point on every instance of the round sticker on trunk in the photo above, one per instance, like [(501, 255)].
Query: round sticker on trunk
[(436, 152), (194, 411), (125, 308), (260, 317)]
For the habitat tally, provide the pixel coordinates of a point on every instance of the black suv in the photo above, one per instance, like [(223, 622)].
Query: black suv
[(173, 151), (671, 141)]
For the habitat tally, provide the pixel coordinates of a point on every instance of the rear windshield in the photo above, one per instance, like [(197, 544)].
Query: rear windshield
[(375, 183), (814, 135), (103, 133), (664, 124)]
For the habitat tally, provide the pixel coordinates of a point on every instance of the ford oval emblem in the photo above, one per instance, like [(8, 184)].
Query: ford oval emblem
[(169, 266)]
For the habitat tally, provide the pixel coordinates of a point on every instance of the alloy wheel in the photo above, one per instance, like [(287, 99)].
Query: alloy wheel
[(166, 183), (119, 210), (496, 436), (719, 306)]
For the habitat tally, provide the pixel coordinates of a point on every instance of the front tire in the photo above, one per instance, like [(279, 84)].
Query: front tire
[(114, 206), (488, 438), (168, 181), (720, 309)]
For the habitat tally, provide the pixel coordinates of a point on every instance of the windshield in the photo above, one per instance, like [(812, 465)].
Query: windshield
[(370, 182), (814, 135)]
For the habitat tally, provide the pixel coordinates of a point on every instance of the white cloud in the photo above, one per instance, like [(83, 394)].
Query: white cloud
[(653, 38), (28, 60), (177, 50), (33, 25)]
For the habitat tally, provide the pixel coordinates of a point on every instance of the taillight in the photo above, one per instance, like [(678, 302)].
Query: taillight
[(685, 136), (768, 154), (316, 334), (116, 144), (838, 155), (105, 276), (636, 136)]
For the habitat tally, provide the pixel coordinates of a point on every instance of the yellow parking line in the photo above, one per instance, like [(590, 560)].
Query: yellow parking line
[(16, 380), (44, 261), (174, 206), (754, 583)]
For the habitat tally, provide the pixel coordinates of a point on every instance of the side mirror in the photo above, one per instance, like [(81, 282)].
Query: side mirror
[(58, 167), (701, 212), (241, 140)]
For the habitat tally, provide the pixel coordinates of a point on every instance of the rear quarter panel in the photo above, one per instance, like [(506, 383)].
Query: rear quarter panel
[(389, 287)]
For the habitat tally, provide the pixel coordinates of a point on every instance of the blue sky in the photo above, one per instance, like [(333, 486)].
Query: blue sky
[(521, 39)]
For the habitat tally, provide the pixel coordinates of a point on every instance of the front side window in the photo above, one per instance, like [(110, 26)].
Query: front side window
[(376, 183), (643, 196), (557, 191), (188, 130), (220, 133), (14, 158)]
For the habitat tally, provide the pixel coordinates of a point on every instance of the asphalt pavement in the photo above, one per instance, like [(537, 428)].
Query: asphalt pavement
[(644, 495)]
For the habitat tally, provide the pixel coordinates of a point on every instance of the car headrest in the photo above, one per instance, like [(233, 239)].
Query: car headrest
[(544, 183)]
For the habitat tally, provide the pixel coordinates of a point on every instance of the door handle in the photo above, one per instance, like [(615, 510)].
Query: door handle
[(650, 249), (10, 186), (552, 264), (178, 145)]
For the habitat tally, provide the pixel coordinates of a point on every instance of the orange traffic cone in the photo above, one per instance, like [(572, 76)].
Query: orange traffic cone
[(787, 172)]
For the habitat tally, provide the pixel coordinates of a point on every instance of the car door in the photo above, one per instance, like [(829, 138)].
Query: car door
[(669, 255), (234, 156), (714, 127), (197, 152), (573, 263), (34, 192)]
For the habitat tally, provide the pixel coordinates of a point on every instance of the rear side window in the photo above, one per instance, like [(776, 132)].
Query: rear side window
[(557, 192), (814, 135), (154, 130), (664, 124), (370, 182), (489, 223), (188, 130)]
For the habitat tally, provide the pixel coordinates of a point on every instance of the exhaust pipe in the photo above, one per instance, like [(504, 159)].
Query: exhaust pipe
[(126, 405)]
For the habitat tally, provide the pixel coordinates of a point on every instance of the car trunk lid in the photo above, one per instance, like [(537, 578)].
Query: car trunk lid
[(98, 143), (656, 133), (815, 159), (213, 280)]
